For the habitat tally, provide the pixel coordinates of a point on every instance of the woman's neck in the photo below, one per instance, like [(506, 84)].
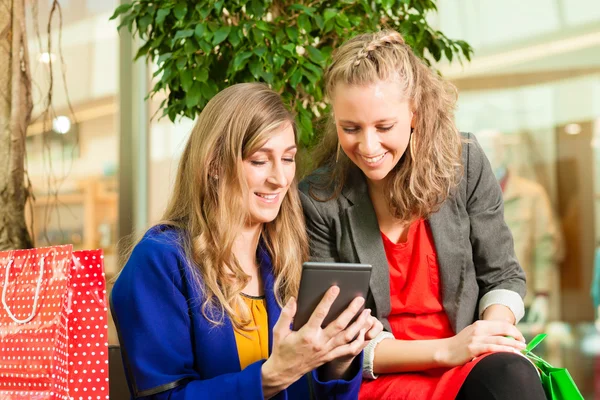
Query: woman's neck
[(244, 250), (396, 230)]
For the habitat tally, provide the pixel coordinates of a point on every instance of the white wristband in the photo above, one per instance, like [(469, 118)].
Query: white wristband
[(369, 354)]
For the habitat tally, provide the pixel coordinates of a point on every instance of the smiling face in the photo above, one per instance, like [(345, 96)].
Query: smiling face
[(373, 124), (269, 172)]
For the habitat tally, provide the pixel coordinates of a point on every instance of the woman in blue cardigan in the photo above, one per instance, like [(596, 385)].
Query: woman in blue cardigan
[(204, 303)]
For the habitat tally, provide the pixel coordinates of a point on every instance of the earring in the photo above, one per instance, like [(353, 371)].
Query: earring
[(337, 153), (411, 145)]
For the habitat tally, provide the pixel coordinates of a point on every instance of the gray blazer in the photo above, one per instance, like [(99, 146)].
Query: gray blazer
[(473, 244)]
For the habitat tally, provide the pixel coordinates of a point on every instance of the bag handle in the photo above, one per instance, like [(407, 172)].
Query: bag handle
[(534, 342), (35, 299)]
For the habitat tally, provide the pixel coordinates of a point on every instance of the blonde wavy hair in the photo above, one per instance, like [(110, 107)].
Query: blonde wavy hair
[(209, 200), (427, 173)]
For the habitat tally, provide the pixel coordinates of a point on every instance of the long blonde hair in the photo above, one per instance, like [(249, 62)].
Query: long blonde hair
[(209, 205), (427, 173)]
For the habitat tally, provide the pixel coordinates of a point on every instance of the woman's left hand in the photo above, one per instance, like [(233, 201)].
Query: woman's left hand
[(376, 328)]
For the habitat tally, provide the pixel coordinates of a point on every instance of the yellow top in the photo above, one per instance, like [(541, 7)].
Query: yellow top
[(254, 345)]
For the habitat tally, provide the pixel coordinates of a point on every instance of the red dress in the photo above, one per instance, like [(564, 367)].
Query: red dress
[(416, 313)]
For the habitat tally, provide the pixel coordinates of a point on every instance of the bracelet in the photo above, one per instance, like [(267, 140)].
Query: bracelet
[(369, 354)]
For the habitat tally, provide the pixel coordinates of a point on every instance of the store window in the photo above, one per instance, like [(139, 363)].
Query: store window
[(531, 95), (72, 156)]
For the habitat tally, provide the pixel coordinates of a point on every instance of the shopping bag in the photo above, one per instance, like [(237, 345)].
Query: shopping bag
[(557, 382), (53, 327)]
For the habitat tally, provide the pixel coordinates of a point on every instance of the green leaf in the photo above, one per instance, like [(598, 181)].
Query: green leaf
[(291, 47), (259, 36), (356, 20), (144, 23), (342, 20), (203, 11), (143, 51), (218, 6), (221, 34), (329, 25), (161, 14), (304, 23), (311, 67), (202, 75), (256, 8), (256, 68), (209, 89), (122, 9), (259, 51), (205, 46), (435, 50), (199, 30), (233, 37), (305, 127), (268, 77), (187, 79), (173, 114), (295, 78), (278, 61), (181, 63), (183, 34), (330, 13), (290, 72), (190, 46), (163, 57), (387, 4), (448, 52), (180, 11), (193, 95), (292, 33), (319, 21), (310, 76), (315, 55), (263, 26), (240, 58)]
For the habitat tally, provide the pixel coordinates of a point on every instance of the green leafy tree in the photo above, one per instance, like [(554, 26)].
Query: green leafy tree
[(203, 46)]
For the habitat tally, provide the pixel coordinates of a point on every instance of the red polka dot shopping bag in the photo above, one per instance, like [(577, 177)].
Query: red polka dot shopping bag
[(53, 325)]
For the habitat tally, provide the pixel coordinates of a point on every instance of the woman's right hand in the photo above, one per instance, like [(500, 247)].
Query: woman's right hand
[(297, 352), (480, 338)]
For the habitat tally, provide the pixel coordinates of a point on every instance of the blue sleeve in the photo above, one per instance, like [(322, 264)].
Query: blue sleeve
[(339, 389), (150, 309), (236, 386)]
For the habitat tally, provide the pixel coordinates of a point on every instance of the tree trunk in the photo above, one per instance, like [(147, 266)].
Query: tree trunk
[(15, 114)]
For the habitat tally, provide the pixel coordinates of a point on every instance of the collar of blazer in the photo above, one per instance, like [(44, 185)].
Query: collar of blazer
[(365, 233)]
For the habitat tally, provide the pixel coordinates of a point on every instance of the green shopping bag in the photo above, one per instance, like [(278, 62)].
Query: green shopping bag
[(557, 382)]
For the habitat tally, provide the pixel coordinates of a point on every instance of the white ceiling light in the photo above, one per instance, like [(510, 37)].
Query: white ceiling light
[(46, 57), (573, 129), (61, 124)]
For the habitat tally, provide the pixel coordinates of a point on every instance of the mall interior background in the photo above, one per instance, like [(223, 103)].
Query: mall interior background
[(533, 87)]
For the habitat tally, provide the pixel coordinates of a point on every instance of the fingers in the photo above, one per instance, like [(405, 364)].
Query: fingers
[(497, 328), (282, 326), (349, 334), (504, 341), (342, 321), (492, 348), (350, 349), (318, 316), (375, 330)]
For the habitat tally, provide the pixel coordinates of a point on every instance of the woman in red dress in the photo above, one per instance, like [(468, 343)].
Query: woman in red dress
[(399, 187)]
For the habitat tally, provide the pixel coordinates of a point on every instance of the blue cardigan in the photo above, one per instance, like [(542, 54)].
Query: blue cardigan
[(170, 351)]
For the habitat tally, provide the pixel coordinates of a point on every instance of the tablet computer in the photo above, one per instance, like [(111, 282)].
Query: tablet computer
[(318, 277)]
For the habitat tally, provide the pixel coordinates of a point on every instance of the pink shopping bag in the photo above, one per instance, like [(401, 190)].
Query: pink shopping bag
[(53, 325)]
